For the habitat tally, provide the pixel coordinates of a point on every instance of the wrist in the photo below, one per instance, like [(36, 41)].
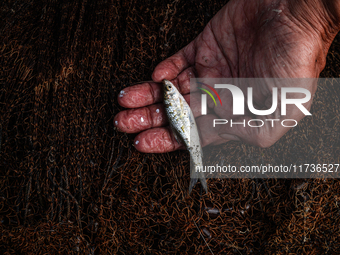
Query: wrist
[(321, 17), (332, 8)]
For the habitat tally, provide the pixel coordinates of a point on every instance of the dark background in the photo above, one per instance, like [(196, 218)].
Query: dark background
[(69, 183)]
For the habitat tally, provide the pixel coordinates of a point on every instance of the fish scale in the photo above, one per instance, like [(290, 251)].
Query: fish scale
[(182, 122)]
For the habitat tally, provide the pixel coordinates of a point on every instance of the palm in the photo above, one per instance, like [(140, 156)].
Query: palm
[(265, 46), (236, 44)]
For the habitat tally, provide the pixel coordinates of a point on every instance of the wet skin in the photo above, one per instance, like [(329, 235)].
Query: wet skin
[(244, 39)]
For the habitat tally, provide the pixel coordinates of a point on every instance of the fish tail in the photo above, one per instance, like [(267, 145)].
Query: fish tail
[(193, 182), (204, 184), (203, 181)]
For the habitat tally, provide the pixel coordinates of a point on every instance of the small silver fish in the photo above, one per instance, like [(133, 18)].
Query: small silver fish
[(182, 121)]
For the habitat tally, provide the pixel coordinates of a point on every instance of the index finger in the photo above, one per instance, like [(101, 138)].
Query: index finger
[(140, 95), (149, 93), (171, 67)]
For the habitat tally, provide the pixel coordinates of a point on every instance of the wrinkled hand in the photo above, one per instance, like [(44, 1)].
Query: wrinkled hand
[(244, 39)]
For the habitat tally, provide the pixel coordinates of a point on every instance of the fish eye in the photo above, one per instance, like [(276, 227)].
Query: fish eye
[(168, 87)]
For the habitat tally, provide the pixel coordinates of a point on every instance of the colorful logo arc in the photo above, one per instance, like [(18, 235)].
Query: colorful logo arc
[(213, 90)]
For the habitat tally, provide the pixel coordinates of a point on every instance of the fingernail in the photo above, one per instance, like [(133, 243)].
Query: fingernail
[(122, 93)]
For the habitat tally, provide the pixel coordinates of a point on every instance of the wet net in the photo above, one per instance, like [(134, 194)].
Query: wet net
[(70, 183)]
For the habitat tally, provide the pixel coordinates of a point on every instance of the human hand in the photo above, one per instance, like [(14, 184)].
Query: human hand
[(285, 39)]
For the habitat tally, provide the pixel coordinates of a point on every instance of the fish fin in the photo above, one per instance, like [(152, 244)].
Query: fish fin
[(193, 123), (174, 132), (181, 105), (191, 116), (193, 182), (204, 184)]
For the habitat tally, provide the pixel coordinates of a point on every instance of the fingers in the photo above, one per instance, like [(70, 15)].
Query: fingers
[(150, 92), (182, 81), (151, 116), (171, 67), (140, 95), (157, 140), (160, 140), (136, 120)]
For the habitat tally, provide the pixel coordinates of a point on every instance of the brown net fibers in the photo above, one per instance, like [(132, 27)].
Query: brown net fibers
[(71, 184)]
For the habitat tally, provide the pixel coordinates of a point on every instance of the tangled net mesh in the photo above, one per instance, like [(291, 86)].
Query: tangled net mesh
[(70, 183)]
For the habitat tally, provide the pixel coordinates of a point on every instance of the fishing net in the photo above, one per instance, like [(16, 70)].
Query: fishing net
[(70, 183)]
